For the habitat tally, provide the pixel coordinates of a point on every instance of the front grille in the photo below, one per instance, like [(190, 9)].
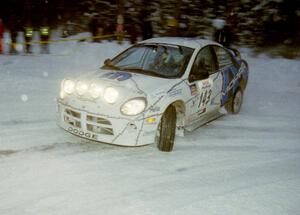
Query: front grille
[(99, 129), (72, 117), (98, 125), (73, 113), (97, 120), (89, 122)]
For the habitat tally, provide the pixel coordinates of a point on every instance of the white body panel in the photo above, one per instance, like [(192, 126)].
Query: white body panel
[(104, 122), (120, 129)]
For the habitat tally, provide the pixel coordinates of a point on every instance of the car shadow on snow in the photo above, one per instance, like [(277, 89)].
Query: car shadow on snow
[(7, 152)]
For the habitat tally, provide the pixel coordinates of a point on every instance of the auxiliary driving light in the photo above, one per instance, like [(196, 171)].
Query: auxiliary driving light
[(81, 88)]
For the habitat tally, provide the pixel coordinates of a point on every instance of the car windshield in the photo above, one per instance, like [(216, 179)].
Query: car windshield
[(162, 60)]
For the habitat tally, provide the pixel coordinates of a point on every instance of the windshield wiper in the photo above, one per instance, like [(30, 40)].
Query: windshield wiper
[(110, 66), (133, 69)]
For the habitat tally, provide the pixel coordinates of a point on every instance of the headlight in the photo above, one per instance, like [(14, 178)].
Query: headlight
[(81, 88), (95, 91), (110, 95), (134, 106), (68, 86)]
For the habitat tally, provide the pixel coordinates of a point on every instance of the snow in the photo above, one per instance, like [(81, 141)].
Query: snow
[(238, 164)]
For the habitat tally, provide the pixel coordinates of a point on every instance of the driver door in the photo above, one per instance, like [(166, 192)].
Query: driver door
[(204, 80)]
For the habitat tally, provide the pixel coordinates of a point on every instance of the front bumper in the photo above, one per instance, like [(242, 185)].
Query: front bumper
[(104, 128)]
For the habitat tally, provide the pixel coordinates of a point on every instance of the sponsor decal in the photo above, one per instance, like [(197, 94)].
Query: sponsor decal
[(175, 92), (82, 133), (206, 84), (151, 120), (227, 77), (205, 98), (200, 102), (119, 76), (234, 80), (193, 89)]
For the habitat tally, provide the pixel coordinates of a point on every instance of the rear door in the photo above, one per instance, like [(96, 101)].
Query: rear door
[(228, 70)]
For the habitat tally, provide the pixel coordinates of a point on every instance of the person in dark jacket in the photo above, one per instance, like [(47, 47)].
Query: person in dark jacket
[(224, 36), (132, 30), (13, 26), (44, 37), (146, 27), (109, 30), (28, 34), (1, 36), (94, 28)]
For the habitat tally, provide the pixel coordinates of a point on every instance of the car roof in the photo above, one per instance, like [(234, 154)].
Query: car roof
[(191, 42)]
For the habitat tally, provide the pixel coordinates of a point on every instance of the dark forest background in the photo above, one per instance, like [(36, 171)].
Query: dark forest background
[(254, 22)]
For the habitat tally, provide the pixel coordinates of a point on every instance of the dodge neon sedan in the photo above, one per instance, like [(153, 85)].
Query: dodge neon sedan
[(153, 92)]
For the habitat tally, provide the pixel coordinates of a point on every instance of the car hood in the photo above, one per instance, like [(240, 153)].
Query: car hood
[(131, 81)]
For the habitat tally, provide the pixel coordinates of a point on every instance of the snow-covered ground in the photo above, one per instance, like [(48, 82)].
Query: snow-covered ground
[(243, 164)]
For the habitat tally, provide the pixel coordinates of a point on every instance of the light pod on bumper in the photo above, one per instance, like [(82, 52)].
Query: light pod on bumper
[(110, 95), (81, 88), (68, 86), (95, 91)]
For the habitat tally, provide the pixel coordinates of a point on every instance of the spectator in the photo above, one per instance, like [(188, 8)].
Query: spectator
[(44, 37), (13, 42), (94, 28), (28, 34), (109, 30), (222, 33), (147, 28), (132, 31), (13, 25), (120, 28), (1, 36)]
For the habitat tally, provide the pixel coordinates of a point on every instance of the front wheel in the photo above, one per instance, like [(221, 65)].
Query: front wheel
[(165, 134), (235, 104)]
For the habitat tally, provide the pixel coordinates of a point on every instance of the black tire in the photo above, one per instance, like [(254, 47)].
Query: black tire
[(244, 80), (234, 105), (166, 130)]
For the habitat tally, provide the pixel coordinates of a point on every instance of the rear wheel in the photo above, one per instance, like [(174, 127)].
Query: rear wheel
[(165, 134), (235, 104)]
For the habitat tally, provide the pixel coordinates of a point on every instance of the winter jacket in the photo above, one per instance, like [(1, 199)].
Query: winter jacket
[(1, 29)]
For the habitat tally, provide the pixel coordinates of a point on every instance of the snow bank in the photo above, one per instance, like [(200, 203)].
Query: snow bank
[(243, 164)]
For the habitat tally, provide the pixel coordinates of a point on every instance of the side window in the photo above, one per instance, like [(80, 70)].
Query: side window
[(223, 57), (204, 64)]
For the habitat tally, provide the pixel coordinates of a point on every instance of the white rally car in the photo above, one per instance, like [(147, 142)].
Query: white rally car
[(153, 91)]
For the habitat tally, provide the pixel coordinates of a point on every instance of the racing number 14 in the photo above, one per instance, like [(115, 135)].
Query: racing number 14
[(204, 99)]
